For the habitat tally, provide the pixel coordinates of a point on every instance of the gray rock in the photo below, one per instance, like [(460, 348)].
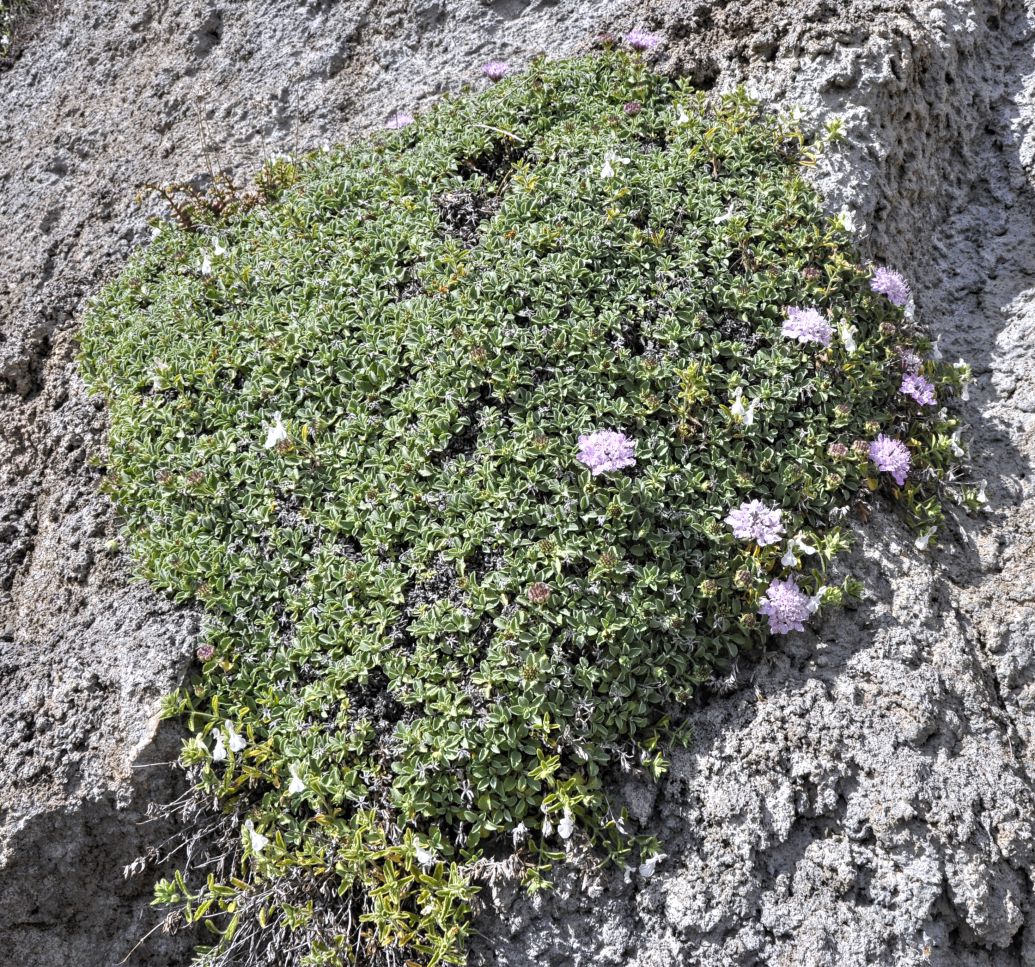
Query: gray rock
[(862, 796)]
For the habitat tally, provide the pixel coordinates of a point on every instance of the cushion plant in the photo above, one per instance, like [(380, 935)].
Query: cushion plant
[(483, 443)]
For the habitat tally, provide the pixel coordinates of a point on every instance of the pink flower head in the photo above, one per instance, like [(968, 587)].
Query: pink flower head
[(755, 521), (205, 652), (399, 120), (642, 40), (891, 456), (919, 389), (889, 283), (496, 70), (786, 606), (807, 325), (605, 450), (911, 362)]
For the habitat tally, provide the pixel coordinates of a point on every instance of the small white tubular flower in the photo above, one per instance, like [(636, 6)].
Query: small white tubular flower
[(924, 539), (981, 496), (424, 856), (256, 840), (610, 160), (206, 265), (218, 249), (954, 443), (297, 784), (219, 750), (565, 827), (936, 352), (847, 219), (740, 412), (547, 828), (682, 117), (237, 742), (276, 433), (158, 376), (648, 866), (795, 546), (817, 599), (847, 334)]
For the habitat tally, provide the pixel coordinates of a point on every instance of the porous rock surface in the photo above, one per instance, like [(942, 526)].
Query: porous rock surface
[(865, 795)]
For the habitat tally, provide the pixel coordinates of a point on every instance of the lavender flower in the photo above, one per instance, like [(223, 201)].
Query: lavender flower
[(642, 40), (755, 521), (891, 456), (496, 70), (889, 283), (205, 652), (919, 389), (605, 450), (786, 606), (399, 120), (807, 325), (911, 362)]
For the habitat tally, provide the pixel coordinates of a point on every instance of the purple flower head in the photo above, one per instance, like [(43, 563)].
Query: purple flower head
[(496, 70), (642, 40), (889, 283), (919, 389), (891, 456), (911, 362), (205, 652), (786, 606), (399, 120), (807, 325), (755, 521), (605, 450)]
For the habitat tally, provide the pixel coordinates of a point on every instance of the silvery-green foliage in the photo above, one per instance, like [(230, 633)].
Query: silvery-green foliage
[(346, 418)]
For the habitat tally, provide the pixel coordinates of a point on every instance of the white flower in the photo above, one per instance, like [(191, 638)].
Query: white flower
[(981, 497), (683, 117), (219, 750), (547, 827), (218, 249), (296, 785), (936, 352), (424, 856), (847, 219), (847, 334), (565, 827), (237, 742), (923, 539), (740, 412), (965, 395), (277, 433), (256, 840), (608, 171), (796, 545), (206, 265), (649, 865), (817, 599), (954, 442), (158, 377)]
